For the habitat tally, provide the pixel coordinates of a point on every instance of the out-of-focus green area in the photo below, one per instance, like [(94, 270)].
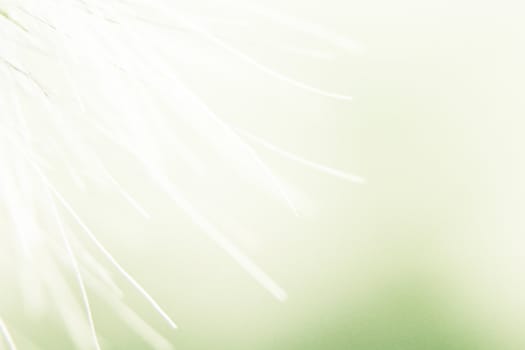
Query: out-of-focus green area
[(427, 255)]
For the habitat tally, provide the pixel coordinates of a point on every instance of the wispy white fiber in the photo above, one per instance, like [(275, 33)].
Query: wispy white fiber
[(79, 77)]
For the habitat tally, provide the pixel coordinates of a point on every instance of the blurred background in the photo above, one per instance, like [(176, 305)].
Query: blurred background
[(427, 254)]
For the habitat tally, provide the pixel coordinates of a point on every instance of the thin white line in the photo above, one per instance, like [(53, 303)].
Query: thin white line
[(245, 57), (104, 251), (78, 274), (7, 335), (214, 234), (296, 158), (132, 201)]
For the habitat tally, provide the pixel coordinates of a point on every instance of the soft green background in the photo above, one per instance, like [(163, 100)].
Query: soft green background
[(427, 255)]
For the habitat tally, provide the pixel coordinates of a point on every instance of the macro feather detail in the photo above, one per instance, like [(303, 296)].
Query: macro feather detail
[(78, 74)]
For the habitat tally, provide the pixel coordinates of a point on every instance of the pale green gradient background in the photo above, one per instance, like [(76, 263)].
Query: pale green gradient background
[(429, 254)]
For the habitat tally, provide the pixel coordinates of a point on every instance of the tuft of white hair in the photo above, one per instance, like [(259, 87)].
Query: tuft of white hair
[(75, 72)]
